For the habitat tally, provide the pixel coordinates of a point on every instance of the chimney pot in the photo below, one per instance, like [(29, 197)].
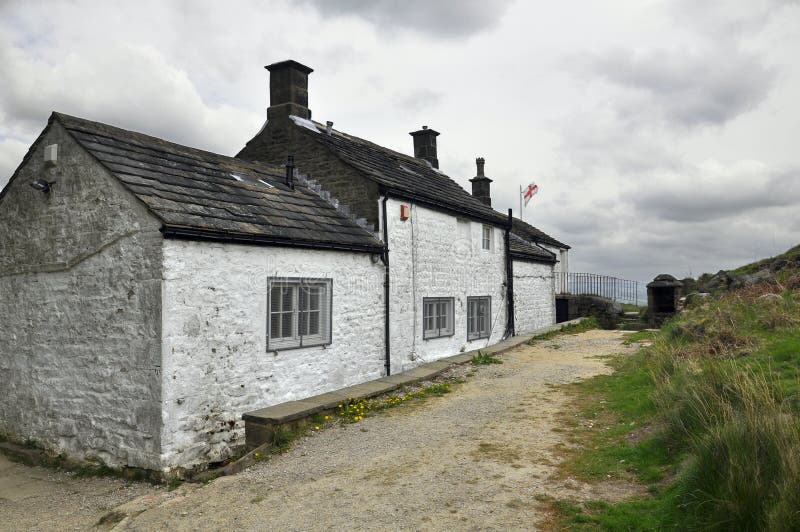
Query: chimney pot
[(425, 145), (481, 185), (480, 161), (288, 89)]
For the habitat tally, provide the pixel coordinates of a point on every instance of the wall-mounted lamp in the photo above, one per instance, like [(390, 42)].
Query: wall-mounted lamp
[(41, 184)]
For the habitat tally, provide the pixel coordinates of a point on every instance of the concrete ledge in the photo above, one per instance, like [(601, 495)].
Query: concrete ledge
[(260, 424), (285, 411)]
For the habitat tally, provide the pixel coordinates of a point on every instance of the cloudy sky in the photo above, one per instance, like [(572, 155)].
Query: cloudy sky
[(664, 135)]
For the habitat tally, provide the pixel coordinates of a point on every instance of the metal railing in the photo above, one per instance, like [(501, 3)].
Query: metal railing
[(621, 290)]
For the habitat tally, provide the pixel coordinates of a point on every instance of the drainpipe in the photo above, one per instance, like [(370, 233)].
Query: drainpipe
[(509, 280), (385, 258)]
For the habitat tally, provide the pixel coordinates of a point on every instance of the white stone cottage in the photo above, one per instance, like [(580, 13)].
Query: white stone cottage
[(448, 254), (151, 293), (154, 292)]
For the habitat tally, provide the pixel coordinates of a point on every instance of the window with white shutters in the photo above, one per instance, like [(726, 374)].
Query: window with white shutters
[(437, 317), (479, 311), (299, 313)]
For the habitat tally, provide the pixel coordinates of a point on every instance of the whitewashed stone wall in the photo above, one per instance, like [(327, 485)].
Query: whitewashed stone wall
[(216, 365), (433, 254), (80, 312), (561, 269), (534, 300)]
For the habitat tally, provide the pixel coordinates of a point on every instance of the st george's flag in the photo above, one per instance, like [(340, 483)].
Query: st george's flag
[(529, 192)]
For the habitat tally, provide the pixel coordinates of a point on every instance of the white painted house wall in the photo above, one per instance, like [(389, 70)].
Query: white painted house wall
[(216, 365), (534, 301), (561, 269), (433, 254)]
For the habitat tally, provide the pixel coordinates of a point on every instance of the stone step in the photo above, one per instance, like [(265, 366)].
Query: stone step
[(260, 425), (633, 326)]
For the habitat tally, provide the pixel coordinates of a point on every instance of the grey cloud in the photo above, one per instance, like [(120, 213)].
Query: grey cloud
[(724, 20), (441, 19), (731, 193), (131, 86), (683, 87), (418, 99)]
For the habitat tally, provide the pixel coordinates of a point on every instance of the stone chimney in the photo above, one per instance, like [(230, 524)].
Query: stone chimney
[(425, 145), (288, 89), (481, 184)]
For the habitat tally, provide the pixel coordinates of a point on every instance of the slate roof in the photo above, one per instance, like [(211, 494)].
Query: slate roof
[(199, 194), (406, 176), (522, 250), (532, 234)]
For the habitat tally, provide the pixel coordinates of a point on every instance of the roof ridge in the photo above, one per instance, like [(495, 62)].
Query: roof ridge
[(389, 168)]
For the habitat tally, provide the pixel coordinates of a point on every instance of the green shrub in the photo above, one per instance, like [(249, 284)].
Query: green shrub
[(484, 359)]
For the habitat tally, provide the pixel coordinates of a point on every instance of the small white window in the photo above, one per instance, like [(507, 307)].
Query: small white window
[(479, 311), (437, 317), (486, 238), (299, 312)]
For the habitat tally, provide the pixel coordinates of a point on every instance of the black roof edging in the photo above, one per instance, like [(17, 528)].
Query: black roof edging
[(530, 233), (528, 258)]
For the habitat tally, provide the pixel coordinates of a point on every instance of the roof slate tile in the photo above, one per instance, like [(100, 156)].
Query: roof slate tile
[(191, 189)]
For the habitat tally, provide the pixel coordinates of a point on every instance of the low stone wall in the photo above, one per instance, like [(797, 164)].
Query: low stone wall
[(606, 312)]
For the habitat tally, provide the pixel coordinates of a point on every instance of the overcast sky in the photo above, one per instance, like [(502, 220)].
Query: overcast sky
[(664, 136)]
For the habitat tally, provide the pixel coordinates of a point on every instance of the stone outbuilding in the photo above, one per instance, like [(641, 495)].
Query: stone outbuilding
[(663, 293)]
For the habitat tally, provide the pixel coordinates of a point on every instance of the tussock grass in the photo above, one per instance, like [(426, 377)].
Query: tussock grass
[(708, 416)]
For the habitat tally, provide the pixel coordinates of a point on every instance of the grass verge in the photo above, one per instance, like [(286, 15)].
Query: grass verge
[(707, 419)]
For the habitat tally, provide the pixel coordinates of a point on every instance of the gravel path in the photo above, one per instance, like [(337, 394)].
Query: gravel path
[(478, 458), (37, 498)]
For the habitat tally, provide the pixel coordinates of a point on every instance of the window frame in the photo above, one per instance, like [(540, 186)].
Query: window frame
[(450, 330), (299, 340), (479, 335), (487, 241)]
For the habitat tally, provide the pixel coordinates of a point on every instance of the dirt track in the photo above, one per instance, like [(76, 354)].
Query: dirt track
[(480, 457)]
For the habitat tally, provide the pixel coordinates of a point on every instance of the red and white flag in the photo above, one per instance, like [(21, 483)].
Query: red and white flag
[(529, 192)]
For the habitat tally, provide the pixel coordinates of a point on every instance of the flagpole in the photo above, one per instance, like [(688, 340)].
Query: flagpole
[(520, 202)]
